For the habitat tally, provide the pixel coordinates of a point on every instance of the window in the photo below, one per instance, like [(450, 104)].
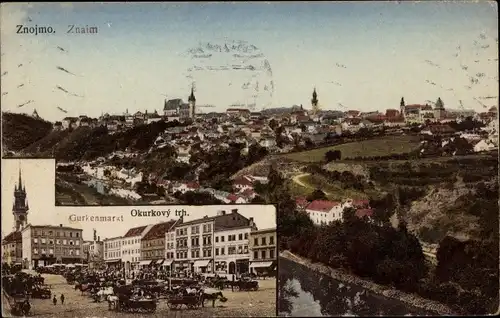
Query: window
[(245, 249), (231, 250), (271, 253), (51, 251), (43, 251), (240, 237), (71, 242), (35, 240), (222, 251), (256, 255), (222, 238), (271, 240), (50, 233), (77, 242), (263, 253), (43, 241), (64, 242), (77, 234), (35, 251), (246, 236), (70, 234), (263, 240), (256, 241), (58, 242), (216, 251), (216, 239)]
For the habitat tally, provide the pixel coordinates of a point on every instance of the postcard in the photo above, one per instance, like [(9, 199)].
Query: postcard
[(356, 144)]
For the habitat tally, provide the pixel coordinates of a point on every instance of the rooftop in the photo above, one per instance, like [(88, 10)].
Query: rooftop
[(159, 230), (134, 231), (322, 205)]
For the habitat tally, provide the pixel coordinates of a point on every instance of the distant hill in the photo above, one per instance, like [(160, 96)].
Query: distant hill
[(89, 143), (20, 131)]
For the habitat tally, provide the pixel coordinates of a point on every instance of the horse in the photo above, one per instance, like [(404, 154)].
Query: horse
[(213, 295), (112, 302)]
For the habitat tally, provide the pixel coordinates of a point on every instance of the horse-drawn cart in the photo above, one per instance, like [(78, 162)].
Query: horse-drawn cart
[(247, 284), (20, 306), (142, 305), (191, 301)]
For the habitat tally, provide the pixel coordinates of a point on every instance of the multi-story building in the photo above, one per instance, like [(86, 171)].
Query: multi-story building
[(12, 249), (170, 249), (195, 241), (47, 244), (232, 255), (131, 247), (113, 252), (153, 244), (263, 250)]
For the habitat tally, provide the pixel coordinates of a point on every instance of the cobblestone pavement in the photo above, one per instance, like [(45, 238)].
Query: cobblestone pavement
[(261, 303)]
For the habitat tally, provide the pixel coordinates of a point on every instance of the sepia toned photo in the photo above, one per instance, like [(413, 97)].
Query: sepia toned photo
[(346, 153), (114, 261)]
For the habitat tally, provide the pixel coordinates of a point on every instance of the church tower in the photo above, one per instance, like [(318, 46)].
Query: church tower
[(314, 102), (20, 207), (192, 103), (402, 107)]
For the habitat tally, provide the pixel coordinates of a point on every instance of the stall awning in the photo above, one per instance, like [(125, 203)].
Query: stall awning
[(160, 261), (167, 262), (202, 263), (144, 263), (260, 264)]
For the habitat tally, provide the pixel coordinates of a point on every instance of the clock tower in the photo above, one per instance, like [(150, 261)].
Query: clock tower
[(20, 208)]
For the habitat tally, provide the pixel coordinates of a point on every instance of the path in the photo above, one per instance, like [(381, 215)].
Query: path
[(297, 180)]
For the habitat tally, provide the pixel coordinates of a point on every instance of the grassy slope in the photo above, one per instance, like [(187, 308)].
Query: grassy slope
[(19, 130), (376, 147)]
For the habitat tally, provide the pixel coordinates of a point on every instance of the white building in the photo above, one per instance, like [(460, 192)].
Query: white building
[(232, 255), (194, 248), (112, 251), (131, 247), (324, 212)]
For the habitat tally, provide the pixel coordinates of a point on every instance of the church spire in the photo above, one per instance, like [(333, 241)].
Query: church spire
[(20, 182), (191, 97)]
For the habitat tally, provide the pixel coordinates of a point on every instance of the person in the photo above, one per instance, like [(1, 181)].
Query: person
[(232, 284), (62, 299), (54, 300)]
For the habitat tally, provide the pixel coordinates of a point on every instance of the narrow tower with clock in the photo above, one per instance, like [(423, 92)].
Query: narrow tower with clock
[(20, 208)]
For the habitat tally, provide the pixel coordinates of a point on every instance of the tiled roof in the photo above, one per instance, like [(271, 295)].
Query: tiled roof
[(12, 237), (322, 205), (242, 181), (135, 231), (159, 230), (232, 197), (361, 203)]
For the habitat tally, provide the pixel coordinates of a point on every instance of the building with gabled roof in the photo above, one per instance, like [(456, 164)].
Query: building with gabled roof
[(131, 247), (153, 243)]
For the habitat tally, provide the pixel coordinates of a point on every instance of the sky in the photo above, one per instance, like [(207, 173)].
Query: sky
[(41, 199), (141, 52)]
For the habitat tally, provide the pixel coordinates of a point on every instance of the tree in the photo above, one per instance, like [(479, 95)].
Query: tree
[(317, 195), (333, 155), (273, 124)]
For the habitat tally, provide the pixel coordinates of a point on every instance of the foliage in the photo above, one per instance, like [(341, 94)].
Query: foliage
[(317, 194), (332, 155), (20, 130), (197, 198)]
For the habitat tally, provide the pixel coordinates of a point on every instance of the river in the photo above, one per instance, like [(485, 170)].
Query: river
[(307, 293)]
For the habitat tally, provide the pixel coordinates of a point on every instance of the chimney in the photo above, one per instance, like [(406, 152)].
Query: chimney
[(60, 225), (234, 211), (251, 222), (98, 239)]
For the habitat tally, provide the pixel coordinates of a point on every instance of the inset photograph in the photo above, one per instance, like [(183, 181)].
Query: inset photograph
[(111, 261)]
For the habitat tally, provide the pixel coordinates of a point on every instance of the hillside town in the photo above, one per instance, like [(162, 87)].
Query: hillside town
[(192, 136)]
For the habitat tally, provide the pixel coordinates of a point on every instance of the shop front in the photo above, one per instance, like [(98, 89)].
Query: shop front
[(203, 266), (259, 267)]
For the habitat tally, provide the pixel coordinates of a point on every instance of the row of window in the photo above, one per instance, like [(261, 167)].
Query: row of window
[(195, 229), (232, 237), (232, 250), (57, 233), (263, 241), (194, 254), (263, 254), (108, 255), (63, 251), (132, 241), (130, 252), (112, 244), (153, 243), (153, 253), (58, 242)]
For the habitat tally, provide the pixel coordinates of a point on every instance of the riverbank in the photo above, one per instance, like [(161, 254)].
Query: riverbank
[(386, 291)]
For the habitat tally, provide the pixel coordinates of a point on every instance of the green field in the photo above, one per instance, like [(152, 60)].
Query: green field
[(368, 148)]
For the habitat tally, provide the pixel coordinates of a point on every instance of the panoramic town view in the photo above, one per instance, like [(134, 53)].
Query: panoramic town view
[(220, 263), (377, 141)]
